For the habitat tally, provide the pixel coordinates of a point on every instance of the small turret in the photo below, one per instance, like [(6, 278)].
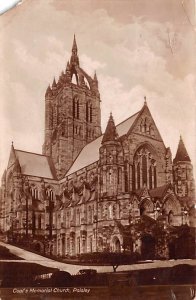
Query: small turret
[(111, 167), (181, 154), (110, 132), (183, 172)]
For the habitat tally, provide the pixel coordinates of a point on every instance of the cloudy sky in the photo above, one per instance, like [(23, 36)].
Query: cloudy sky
[(137, 47)]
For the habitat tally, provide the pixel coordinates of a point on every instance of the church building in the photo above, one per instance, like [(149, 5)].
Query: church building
[(86, 186)]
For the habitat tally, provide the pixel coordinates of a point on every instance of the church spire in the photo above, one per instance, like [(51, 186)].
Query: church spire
[(74, 61), (74, 46), (110, 132), (181, 154)]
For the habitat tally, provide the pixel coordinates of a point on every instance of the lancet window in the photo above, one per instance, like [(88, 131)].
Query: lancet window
[(89, 112), (76, 108)]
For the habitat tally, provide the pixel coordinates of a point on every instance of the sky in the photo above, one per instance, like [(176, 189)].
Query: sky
[(137, 47)]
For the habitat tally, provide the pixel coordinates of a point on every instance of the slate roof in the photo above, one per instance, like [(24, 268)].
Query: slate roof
[(34, 164), (181, 154), (90, 153), (159, 192)]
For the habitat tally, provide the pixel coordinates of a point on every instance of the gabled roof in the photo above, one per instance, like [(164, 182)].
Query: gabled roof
[(34, 164), (160, 191), (90, 153), (181, 154)]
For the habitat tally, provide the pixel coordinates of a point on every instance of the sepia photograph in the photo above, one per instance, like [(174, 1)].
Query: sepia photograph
[(98, 149)]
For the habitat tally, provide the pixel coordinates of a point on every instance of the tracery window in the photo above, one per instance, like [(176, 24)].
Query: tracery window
[(144, 169)]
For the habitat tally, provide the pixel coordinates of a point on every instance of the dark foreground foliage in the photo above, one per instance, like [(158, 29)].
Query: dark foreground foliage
[(26, 274)]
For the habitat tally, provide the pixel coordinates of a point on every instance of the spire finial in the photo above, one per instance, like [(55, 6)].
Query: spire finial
[(145, 102), (74, 47), (74, 61)]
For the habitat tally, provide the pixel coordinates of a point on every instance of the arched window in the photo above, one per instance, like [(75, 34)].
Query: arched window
[(40, 221), (110, 176), (50, 194), (101, 211), (34, 193), (138, 175), (89, 112), (87, 115), (119, 176), (133, 176), (68, 220), (76, 108), (144, 170), (78, 217), (155, 177), (170, 217), (90, 215), (150, 177), (110, 211)]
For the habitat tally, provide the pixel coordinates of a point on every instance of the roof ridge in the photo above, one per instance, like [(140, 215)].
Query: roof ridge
[(128, 118), (32, 152)]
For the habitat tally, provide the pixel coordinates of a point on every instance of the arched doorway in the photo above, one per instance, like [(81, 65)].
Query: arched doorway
[(148, 247), (38, 247), (146, 207), (116, 247)]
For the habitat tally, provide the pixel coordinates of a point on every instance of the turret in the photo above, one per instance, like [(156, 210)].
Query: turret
[(111, 164), (183, 172), (110, 134), (74, 61)]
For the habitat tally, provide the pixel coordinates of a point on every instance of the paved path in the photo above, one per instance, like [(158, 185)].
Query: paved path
[(73, 269)]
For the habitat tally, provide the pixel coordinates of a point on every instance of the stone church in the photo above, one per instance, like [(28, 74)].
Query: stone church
[(75, 197)]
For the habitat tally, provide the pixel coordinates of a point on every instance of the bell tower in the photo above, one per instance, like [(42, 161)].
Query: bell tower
[(72, 114)]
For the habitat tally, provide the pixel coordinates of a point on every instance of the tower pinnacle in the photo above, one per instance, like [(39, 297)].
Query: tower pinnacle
[(74, 61)]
